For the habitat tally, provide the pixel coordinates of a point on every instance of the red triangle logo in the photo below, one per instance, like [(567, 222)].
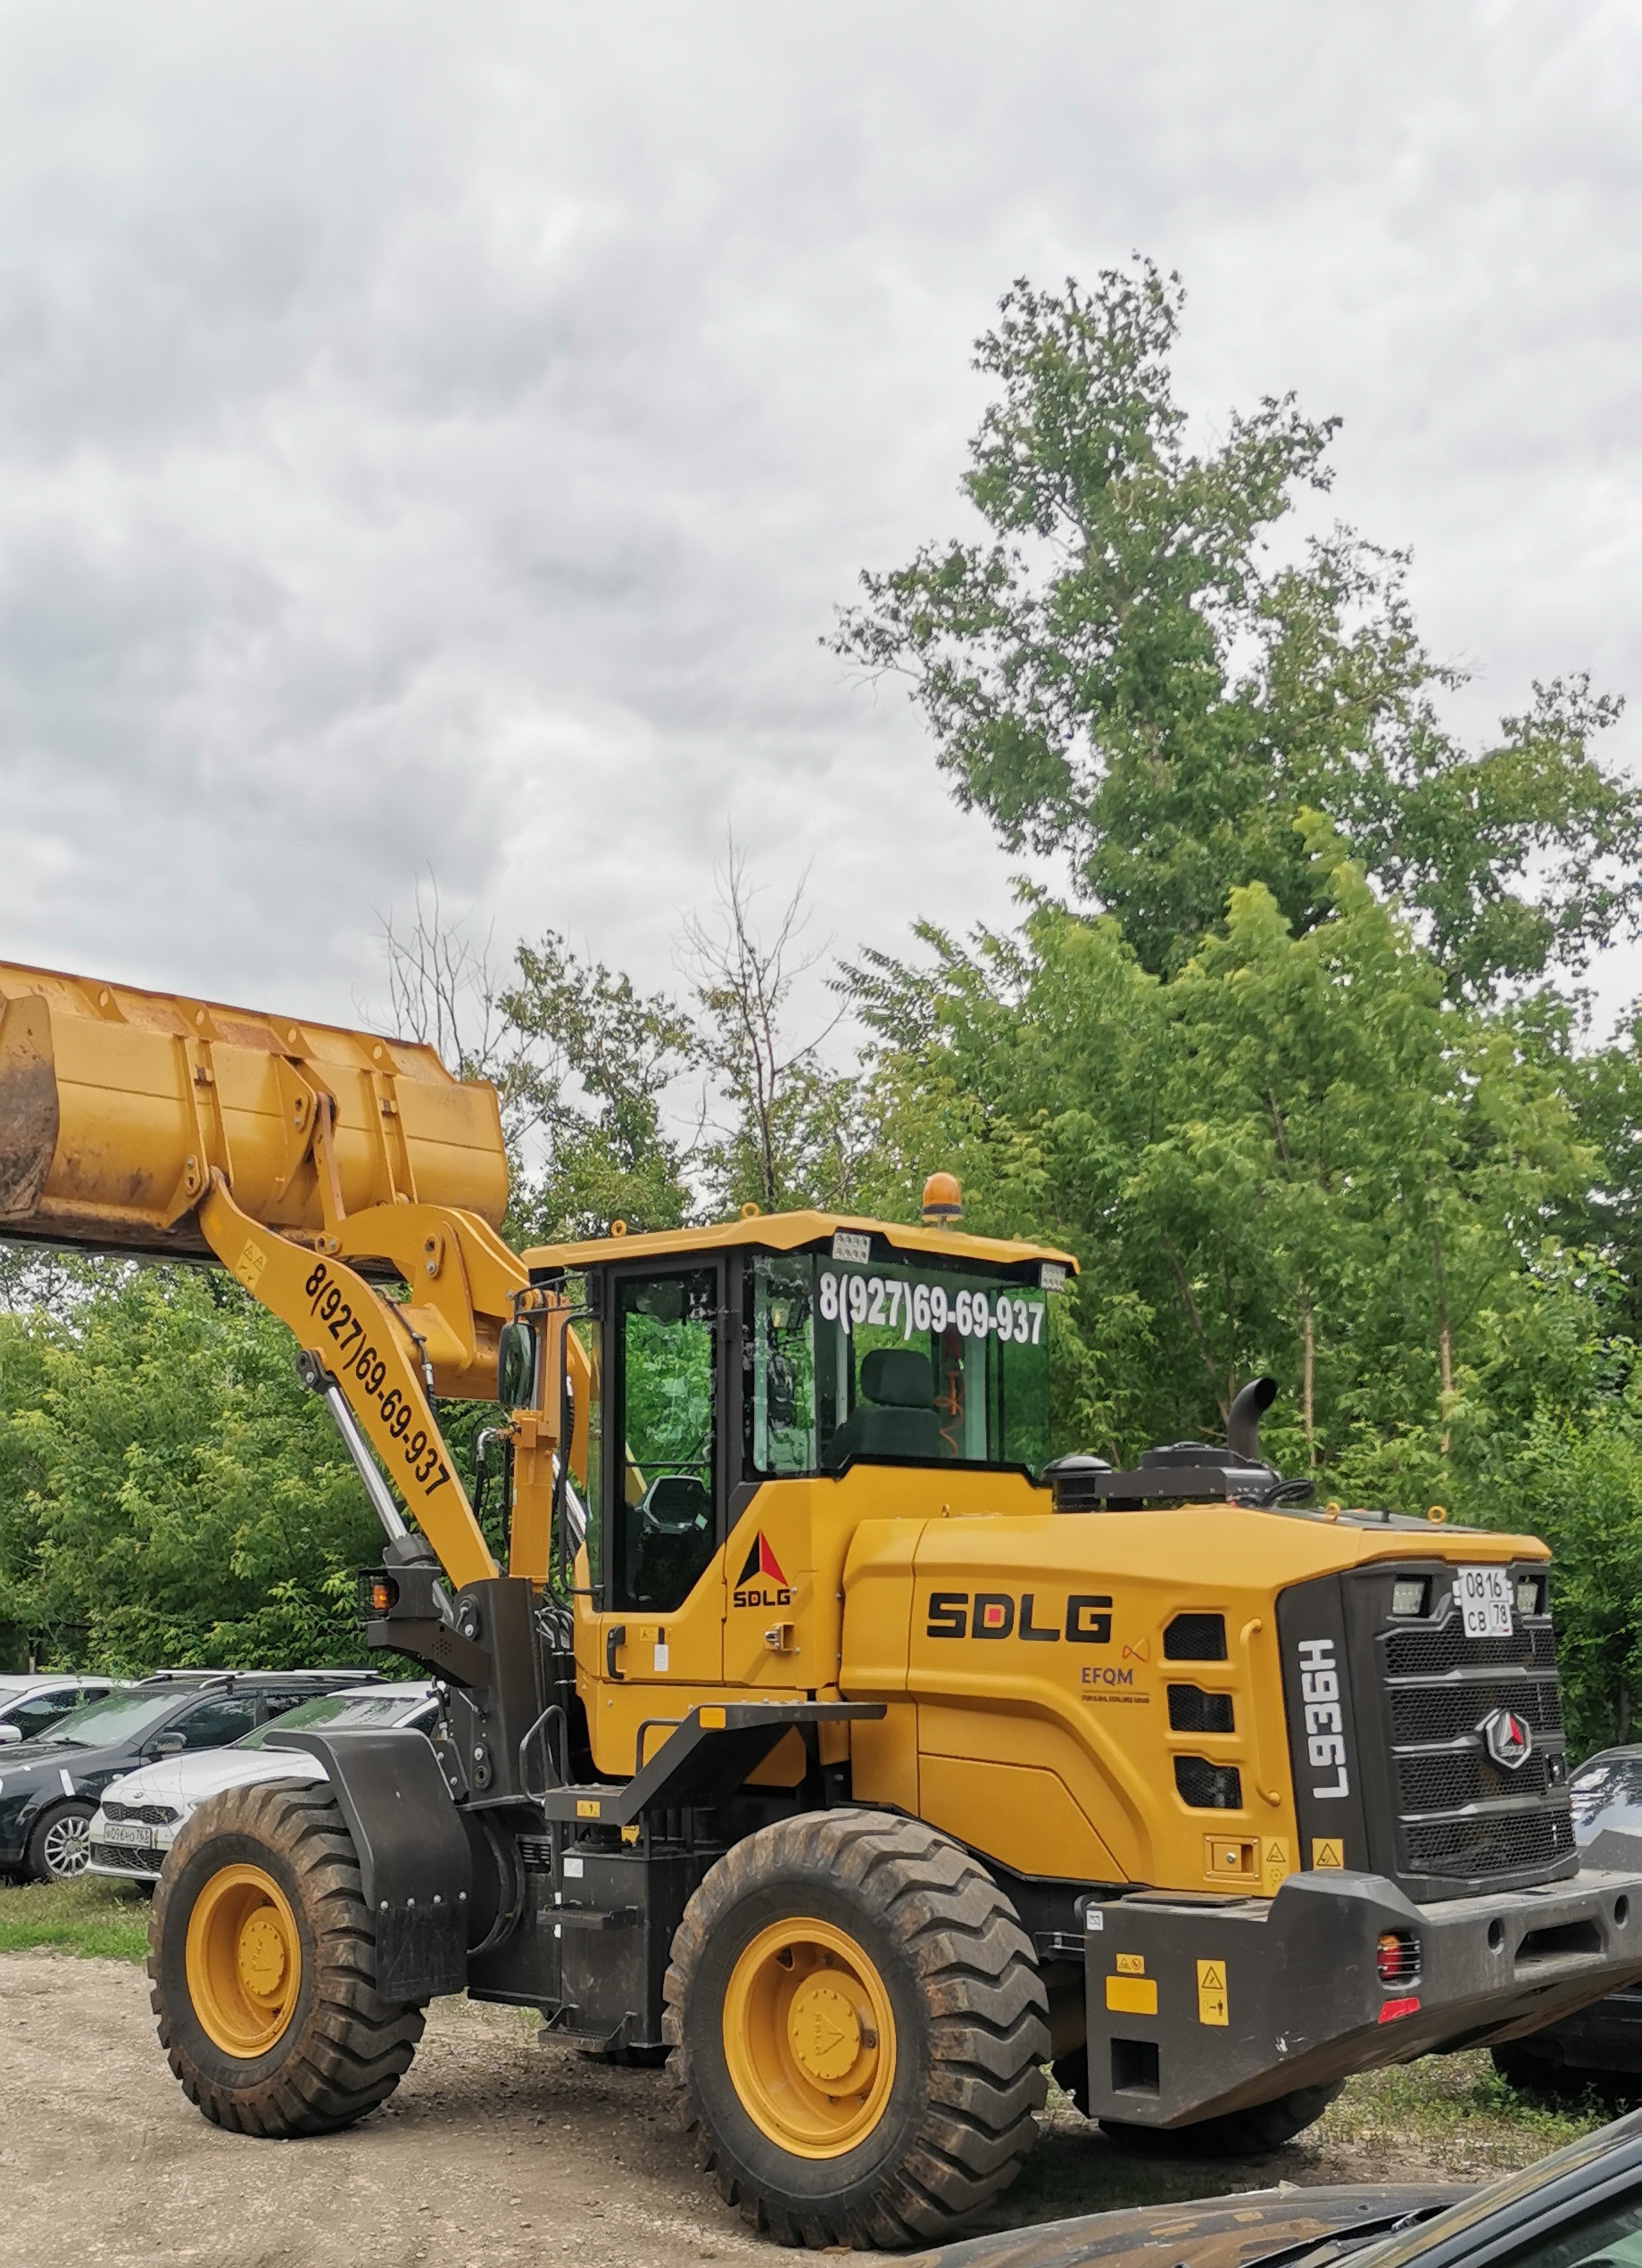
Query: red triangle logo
[(761, 1561)]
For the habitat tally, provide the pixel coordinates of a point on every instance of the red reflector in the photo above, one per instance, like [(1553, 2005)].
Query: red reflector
[(1392, 2010)]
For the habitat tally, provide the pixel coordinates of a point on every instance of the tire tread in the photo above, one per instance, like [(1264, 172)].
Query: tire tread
[(988, 2028), (353, 2047)]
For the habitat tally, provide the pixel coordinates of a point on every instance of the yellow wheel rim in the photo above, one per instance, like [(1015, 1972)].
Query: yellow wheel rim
[(244, 1961), (809, 2038)]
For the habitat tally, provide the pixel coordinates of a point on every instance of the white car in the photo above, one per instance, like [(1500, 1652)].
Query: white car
[(32, 1705), (139, 1815)]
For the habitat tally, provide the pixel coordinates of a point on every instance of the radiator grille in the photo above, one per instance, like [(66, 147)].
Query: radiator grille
[(1497, 1843), (1208, 1787), (1195, 1638), (1444, 1783), (1431, 1652), (1459, 1817), (129, 1862), (1447, 1712), (1192, 1710)]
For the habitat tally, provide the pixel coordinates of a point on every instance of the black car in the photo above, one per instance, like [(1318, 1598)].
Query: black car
[(1581, 2208), (1600, 2047), (49, 1786)]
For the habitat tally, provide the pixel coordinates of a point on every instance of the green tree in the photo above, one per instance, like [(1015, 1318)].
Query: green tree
[(594, 1063), (1298, 1153), (169, 1493), (1128, 670)]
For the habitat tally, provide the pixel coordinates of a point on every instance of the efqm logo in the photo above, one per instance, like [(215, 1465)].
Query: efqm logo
[(762, 1583)]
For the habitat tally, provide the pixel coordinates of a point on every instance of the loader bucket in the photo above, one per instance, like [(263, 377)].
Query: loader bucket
[(116, 1106)]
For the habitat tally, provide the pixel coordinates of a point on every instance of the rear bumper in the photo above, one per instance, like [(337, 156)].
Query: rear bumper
[(1197, 2007)]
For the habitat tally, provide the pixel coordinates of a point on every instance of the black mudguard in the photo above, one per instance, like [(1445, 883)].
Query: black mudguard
[(415, 1864)]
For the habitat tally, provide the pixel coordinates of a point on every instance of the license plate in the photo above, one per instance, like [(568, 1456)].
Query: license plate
[(1485, 1601), (136, 1834)]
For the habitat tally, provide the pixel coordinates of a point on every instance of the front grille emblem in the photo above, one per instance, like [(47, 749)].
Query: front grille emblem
[(1508, 1738)]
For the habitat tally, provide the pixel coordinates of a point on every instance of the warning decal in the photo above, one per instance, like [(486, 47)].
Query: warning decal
[(1212, 1993), (1328, 1850)]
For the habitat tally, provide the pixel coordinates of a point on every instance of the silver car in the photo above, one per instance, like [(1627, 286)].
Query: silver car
[(31, 1705), (139, 1817)]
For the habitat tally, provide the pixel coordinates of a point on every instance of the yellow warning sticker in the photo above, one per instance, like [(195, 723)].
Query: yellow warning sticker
[(1328, 1850), (1132, 1964), (248, 1266), (1274, 1867), (1211, 1992), (1132, 1996), (587, 1807)]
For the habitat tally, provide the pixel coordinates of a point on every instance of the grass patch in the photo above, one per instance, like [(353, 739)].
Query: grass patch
[(95, 1917), (1455, 2109)]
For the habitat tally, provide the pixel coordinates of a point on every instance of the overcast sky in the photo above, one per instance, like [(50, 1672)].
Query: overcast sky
[(436, 438)]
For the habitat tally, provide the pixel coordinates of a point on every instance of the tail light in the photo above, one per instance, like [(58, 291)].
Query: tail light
[(1396, 1956)]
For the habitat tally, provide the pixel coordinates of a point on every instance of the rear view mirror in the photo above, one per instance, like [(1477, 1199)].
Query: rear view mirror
[(10, 1733), (168, 1745), (516, 1366)]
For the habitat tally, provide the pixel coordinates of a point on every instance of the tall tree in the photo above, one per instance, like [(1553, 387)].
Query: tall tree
[(1128, 669)]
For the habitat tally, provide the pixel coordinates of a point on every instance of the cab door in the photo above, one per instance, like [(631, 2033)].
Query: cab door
[(660, 1615)]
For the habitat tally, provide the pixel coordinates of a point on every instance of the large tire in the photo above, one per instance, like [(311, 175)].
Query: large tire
[(1237, 2133), (60, 1847), (263, 1959), (857, 1951)]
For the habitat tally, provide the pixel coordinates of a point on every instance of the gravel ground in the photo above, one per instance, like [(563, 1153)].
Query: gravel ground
[(496, 2151)]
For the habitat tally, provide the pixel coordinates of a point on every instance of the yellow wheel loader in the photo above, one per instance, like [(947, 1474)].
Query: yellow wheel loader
[(820, 1737)]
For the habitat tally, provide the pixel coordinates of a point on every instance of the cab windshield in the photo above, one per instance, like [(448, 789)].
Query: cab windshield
[(916, 1362)]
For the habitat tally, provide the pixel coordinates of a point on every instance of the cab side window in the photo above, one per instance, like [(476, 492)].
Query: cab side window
[(665, 1441)]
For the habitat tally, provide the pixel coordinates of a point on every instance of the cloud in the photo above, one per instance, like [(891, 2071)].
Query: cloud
[(437, 441)]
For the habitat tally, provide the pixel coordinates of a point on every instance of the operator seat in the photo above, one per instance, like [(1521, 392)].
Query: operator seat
[(675, 1540), (895, 1416)]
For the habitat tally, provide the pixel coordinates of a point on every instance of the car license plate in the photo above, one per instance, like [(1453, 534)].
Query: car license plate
[(135, 1833), (1485, 1601)]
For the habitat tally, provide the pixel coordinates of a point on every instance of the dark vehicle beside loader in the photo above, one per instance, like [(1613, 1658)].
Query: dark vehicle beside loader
[(49, 1787)]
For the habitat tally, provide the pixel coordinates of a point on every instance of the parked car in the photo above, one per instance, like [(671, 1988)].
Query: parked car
[(1599, 2047), (31, 1705), (49, 1786), (1580, 2209), (140, 1816)]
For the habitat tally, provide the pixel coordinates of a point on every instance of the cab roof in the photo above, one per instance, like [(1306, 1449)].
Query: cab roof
[(792, 1232)]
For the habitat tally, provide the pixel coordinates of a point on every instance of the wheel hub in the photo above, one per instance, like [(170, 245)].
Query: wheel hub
[(243, 1961), (810, 2037), (262, 1954), (825, 2032)]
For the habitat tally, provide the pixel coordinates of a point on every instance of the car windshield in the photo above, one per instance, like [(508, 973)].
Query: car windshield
[(339, 1708), (121, 1716), (1604, 1781), (922, 1363)]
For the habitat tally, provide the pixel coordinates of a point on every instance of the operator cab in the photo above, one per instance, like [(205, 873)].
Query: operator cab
[(789, 1346)]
